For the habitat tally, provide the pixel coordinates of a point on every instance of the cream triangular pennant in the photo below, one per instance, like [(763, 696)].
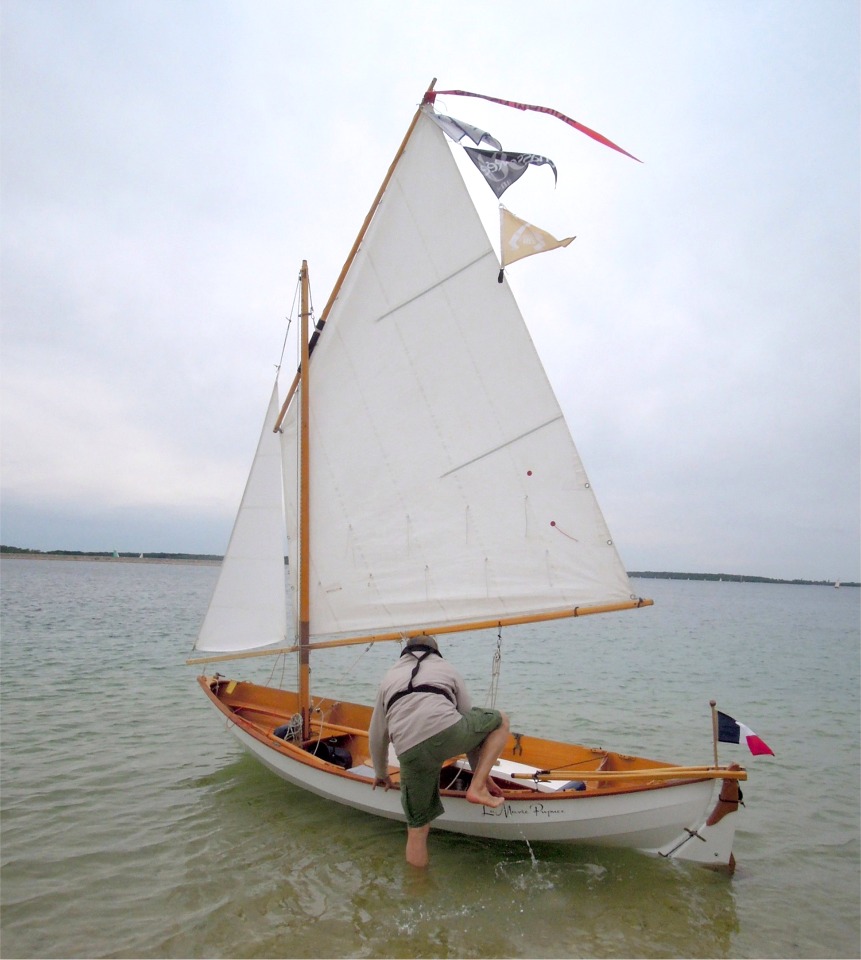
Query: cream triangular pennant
[(521, 239)]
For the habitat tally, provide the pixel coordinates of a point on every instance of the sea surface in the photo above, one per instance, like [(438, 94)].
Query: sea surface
[(133, 825)]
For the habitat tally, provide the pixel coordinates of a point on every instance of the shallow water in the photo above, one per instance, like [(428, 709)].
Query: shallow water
[(134, 826)]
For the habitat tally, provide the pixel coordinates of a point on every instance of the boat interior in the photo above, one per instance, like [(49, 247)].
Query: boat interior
[(338, 742)]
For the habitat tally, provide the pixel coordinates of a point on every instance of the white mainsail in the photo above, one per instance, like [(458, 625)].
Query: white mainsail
[(249, 604), (445, 486)]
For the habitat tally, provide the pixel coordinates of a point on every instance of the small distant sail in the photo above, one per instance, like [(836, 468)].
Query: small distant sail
[(521, 239)]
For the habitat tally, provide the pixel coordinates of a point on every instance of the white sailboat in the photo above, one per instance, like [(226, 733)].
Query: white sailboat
[(424, 477)]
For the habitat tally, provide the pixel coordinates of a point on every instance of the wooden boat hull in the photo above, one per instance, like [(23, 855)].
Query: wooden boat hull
[(659, 816)]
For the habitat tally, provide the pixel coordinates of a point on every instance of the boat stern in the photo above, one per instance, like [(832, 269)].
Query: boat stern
[(710, 844)]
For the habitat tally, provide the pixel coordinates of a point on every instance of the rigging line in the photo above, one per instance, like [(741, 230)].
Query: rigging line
[(351, 669), (501, 446), (274, 668), (289, 322), (282, 659), (496, 669), (576, 763), (439, 283)]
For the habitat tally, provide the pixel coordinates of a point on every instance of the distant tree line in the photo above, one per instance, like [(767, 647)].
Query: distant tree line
[(110, 553), (646, 574), (731, 577)]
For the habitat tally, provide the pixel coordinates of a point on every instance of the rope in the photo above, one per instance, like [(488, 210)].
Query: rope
[(496, 669), (352, 668), (289, 322), (282, 658), (348, 671)]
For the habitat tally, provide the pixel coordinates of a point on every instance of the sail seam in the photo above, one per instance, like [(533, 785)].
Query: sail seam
[(439, 283), (501, 446)]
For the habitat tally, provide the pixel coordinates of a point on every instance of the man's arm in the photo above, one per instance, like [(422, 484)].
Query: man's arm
[(378, 739)]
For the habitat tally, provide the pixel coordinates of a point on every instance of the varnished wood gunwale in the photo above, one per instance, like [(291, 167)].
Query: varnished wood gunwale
[(350, 721)]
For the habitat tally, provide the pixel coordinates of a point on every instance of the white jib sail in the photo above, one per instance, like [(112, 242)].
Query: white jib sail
[(249, 604), (445, 486)]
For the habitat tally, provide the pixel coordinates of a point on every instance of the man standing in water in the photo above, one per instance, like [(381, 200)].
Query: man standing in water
[(424, 708)]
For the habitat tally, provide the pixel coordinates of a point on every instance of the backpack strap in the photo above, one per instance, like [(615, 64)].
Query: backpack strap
[(421, 687)]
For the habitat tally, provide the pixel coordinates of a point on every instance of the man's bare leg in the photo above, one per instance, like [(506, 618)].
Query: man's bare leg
[(417, 845), (489, 753)]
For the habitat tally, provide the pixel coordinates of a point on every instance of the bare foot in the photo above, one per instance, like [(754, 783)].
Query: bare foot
[(493, 789), (484, 797)]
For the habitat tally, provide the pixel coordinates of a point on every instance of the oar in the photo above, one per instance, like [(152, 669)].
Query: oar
[(650, 773)]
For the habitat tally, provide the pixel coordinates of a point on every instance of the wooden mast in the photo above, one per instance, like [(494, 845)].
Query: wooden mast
[(301, 380), (304, 512)]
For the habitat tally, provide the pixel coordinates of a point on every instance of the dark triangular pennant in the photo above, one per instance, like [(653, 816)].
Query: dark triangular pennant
[(501, 168)]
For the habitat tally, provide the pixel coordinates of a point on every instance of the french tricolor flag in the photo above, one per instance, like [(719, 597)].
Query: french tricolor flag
[(731, 731)]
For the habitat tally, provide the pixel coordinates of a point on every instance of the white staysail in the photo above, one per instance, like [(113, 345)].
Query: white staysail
[(249, 605), (445, 486)]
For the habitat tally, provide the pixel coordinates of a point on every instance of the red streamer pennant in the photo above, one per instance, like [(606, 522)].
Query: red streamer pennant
[(432, 95)]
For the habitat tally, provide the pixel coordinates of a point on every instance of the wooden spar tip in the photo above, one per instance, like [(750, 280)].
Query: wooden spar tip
[(648, 773), (429, 96)]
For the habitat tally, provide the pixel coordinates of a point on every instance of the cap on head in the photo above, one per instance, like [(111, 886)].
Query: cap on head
[(425, 640)]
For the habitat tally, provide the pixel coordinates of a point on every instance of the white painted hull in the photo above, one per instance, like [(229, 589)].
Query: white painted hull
[(648, 820)]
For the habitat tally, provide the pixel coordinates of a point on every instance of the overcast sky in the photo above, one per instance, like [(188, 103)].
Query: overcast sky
[(166, 166)]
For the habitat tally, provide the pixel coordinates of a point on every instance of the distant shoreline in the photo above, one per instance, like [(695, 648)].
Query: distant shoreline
[(735, 578), (108, 558), (210, 560)]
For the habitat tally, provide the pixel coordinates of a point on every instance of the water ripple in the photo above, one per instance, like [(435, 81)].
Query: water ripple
[(133, 825)]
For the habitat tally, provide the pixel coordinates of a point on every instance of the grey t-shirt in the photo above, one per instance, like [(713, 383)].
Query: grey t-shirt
[(418, 716)]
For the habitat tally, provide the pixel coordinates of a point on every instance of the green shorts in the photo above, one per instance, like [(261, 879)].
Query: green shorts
[(421, 764)]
